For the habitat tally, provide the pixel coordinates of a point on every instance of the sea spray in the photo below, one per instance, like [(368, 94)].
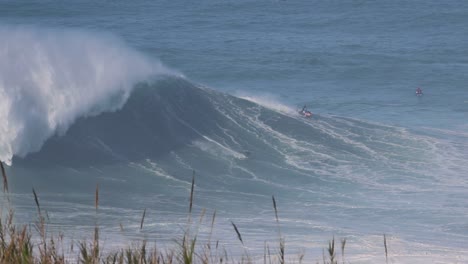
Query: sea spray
[(51, 77), (267, 100)]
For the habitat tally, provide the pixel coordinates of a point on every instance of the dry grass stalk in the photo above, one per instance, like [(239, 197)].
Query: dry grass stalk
[(276, 209), (301, 257), (207, 254), (237, 232), (96, 197), (343, 244), (331, 251), (282, 242), (36, 200), (212, 222), (385, 245), (191, 193), (5, 179), (282, 251), (142, 219), (269, 253), (323, 256)]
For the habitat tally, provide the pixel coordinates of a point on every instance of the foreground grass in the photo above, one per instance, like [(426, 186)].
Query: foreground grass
[(35, 244)]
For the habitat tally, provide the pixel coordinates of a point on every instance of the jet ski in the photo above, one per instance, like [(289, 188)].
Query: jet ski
[(419, 92), (305, 113)]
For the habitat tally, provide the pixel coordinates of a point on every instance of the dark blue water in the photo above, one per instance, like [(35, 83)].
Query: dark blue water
[(218, 86)]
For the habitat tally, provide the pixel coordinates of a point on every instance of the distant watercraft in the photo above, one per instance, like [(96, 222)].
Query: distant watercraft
[(419, 92), (305, 113)]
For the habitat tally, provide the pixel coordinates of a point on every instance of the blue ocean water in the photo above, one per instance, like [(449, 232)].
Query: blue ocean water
[(136, 96)]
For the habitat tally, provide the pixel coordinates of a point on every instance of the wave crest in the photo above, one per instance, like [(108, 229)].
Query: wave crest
[(50, 77)]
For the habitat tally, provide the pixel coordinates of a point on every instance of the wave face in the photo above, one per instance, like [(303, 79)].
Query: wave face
[(159, 117), (50, 77)]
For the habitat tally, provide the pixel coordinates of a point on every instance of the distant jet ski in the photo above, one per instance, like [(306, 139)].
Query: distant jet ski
[(419, 92), (305, 113)]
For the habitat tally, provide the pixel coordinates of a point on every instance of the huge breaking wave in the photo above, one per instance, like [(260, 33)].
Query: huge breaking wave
[(323, 169), (247, 137), (96, 104), (50, 77)]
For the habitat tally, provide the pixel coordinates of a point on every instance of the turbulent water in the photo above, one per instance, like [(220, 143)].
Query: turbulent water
[(136, 97)]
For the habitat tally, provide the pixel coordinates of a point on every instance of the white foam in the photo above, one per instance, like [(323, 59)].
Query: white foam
[(50, 77), (217, 149), (268, 101), (155, 169)]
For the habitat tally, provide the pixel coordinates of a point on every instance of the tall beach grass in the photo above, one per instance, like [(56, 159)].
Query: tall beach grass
[(37, 244)]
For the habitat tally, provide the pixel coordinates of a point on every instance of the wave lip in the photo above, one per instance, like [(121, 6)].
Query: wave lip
[(51, 77)]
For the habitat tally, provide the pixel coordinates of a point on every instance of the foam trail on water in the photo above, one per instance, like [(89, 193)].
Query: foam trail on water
[(268, 101), (51, 77)]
